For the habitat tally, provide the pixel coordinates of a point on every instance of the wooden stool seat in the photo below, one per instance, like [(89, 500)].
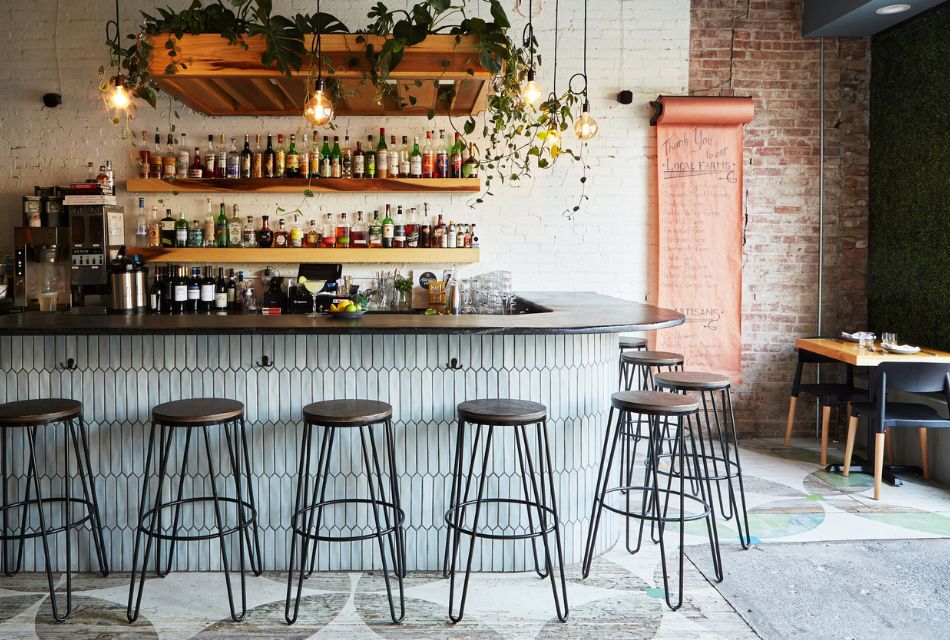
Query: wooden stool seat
[(657, 403), (630, 342), (691, 380), (197, 412), (23, 413), (662, 358), (502, 411), (347, 413)]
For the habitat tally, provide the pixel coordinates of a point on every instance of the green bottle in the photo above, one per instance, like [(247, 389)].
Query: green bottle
[(221, 229), (325, 162), (336, 159), (181, 231)]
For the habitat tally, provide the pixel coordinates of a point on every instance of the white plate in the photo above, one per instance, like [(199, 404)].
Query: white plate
[(852, 337), (904, 349)]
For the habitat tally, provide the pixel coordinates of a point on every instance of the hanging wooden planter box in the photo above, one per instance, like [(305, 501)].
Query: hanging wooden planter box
[(228, 80)]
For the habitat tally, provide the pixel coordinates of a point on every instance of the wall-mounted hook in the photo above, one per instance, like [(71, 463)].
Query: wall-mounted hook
[(265, 363), (69, 366), (453, 364)]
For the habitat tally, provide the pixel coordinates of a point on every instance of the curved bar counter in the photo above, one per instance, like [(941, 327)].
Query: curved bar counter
[(121, 366)]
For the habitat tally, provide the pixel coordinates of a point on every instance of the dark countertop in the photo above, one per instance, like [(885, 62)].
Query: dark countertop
[(568, 313)]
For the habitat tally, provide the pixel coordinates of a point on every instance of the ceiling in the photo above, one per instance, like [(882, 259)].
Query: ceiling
[(855, 18)]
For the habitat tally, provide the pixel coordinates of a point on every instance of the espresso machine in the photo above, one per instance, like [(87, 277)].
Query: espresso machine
[(96, 231), (41, 268)]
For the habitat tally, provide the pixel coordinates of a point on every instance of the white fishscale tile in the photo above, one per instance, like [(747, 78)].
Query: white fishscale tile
[(29, 353), (426, 397), (434, 358), (199, 344), (295, 402)]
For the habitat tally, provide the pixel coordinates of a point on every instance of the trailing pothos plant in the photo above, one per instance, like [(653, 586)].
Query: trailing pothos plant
[(518, 138)]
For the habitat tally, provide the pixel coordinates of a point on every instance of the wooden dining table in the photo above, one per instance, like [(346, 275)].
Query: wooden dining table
[(852, 353)]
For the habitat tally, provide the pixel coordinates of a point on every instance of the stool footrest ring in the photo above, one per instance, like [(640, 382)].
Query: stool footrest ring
[(395, 522), (32, 533), (639, 515), (249, 518), (734, 470), (450, 521)]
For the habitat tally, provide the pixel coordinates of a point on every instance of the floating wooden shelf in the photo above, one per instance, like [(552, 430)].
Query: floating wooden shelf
[(440, 73), (282, 256), (299, 185)]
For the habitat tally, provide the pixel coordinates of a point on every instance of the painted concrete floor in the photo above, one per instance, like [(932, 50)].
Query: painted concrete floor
[(790, 499)]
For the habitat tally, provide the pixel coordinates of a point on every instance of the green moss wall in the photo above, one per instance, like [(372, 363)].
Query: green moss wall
[(909, 271)]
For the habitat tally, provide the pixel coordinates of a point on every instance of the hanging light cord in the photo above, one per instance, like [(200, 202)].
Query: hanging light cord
[(319, 45), (112, 34), (583, 74), (556, 21), (527, 37)]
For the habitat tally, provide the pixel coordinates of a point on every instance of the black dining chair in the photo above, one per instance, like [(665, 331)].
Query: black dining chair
[(829, 394), (882, 414)]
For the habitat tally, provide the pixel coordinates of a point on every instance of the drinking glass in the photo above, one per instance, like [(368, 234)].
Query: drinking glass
[(867, 342), (314, 287), (888, 338)]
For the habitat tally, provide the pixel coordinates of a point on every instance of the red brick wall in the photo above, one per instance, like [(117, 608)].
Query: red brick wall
[(755, 48)]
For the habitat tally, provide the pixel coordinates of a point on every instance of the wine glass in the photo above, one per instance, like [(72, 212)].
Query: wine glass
[(314, 287)]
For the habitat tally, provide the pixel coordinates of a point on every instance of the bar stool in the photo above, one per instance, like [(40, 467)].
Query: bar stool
[(31, 415), (639, 367), (628, 343), (723, 441), (169, 419), (658, 408), (486, 415), (387, 513)]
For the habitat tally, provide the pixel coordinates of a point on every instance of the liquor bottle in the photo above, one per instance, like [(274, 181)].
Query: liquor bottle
[(451, 236), (145, 157), (358, 234), (257, 158), (296, 233), (343, 233), (184, 159), (455, 157), (155, 297), (393, 158), (304, 159), (265, 237), (154, 229), (230, 294), (442, 157), (326, 164), (329, 232), (412, 229), (376, 231), (110, 176), (470, 166), (389, 229), (240, 293), (209, 223), (280, 157), (347, 158), (312, 237), (437, 238), (194, 291), (250, 233), (468, 236), (234, 161), (221, 160), (207, 292), (195, 236), (270, 158), (210, 157), (197, 168), (336, 159), (428, 157), (359, 162), (415, 160), (475, 244), (156, 161), (221, 229), (425, 232), (221, 293), (382, 156), (168, 229), (405, 166), (281, 237), (103, 179), (141, 225), (369, 158), (169, 159), (459, 237), (444, 235), (234, 228), (314, 156), (292, 160), (246, 158), (181, 231), (180, 292), (399, 230)]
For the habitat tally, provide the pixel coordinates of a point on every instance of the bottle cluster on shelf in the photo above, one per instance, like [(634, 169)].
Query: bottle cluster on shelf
[(391, 229), (173, 290), (444, 158)]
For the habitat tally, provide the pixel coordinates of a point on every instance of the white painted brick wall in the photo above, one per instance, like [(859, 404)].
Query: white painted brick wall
[(606, 247)]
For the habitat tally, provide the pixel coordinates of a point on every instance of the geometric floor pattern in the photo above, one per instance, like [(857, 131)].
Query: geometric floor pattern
[(790, 498)]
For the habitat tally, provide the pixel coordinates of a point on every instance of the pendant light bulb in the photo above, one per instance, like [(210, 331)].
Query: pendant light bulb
[(585, 127), (531, 92), (318, 110), (119, 98)]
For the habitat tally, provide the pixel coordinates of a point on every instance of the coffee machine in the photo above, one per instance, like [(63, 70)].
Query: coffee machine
[(41, 268), (96, 232)]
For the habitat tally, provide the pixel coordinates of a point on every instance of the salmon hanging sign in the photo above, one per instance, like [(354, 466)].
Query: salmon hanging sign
[(699, 171)]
